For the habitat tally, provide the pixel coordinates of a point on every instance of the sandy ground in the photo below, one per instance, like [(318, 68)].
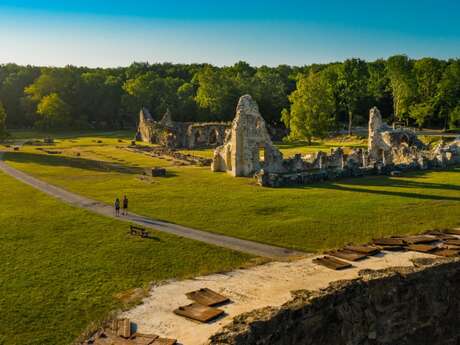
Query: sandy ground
[(249, 289)]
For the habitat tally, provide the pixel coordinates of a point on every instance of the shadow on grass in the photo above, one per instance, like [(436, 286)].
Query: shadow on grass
[(357, 184), (115, 134), (293, 145), (73, 162)]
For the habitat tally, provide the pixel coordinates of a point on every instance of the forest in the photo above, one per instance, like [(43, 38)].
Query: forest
[(310, 100)]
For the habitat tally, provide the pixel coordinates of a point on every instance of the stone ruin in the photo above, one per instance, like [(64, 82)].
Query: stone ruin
[(248, 151), (390, 146), (244, 143), (174, 135)]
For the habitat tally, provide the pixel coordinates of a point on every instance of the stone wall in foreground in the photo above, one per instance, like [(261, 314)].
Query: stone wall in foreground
[(402, 306)]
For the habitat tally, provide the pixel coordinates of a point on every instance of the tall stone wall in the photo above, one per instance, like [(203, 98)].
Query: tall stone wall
[(247, 140), (404, 306)]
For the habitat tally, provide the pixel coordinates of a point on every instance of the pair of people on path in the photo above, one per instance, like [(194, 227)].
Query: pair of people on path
[(125, 207)]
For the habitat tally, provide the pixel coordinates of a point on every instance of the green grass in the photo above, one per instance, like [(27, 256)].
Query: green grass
[(308, 218), (34, 134), (62, 268), (290, 149)]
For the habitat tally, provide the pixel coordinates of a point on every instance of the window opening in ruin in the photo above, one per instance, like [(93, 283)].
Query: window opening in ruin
[(213, 137), (198, 137)]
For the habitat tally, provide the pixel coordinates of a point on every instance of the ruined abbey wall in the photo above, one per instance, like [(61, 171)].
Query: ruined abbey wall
[(174, 134), (404, 306), (249, 151)]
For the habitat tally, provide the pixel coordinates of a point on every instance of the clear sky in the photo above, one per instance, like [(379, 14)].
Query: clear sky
[(116, 33)]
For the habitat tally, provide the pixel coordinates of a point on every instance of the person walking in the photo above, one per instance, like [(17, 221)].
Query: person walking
[(125, 206), (117, 207)]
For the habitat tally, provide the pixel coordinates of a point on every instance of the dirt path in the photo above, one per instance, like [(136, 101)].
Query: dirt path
[(257, 287), (73, 199)]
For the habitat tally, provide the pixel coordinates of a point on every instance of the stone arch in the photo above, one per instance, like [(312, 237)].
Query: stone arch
[(213, 137), (198, 137), (405, 139)]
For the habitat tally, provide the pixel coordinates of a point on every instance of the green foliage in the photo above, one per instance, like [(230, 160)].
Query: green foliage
[(428, 73), (448, 93), (110, 98), (54, 111), (312, 108), (454, 117), (402, 84), (353, 83), (3, 132), (217, 92), (420, 112)]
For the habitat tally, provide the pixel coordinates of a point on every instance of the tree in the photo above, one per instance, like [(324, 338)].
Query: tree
[(402, 84), (54, 111), (15, 79), (448, 93), (217, 93), (420, 112), (379, 87), (454, 117), (353, 80), (3, 132), (312, 108), (187, 108), (269, 90), (156, 93), (428, 73)]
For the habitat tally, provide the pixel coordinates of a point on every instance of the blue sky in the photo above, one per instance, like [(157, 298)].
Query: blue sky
[(272, 32)]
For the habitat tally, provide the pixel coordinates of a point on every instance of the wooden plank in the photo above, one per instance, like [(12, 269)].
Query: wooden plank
[(332, 263), (368, 250), (423, 248), (445, 252), (449, 246), (143, 339), (393, 248), (164, 341), (452, 231), (207, 297), (453, 242), (419, 239), (441, 235), (347, 255), (393, 241), (198, 312), (112, 340)]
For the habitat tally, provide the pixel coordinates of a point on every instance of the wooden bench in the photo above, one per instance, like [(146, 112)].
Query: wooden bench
[(136, 230)]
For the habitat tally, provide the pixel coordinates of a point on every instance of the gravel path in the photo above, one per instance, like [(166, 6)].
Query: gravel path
[(253, 248)]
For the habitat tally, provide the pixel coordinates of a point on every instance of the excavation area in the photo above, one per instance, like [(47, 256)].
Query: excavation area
[(262, 311)]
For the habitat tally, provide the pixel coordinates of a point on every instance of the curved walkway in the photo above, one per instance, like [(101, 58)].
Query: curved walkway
[(249, 247)]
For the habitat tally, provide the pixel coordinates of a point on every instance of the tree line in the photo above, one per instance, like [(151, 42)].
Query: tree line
[(310, 100)]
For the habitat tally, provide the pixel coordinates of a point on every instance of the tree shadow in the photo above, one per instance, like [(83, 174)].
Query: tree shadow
[(72, 162), (357, 184)]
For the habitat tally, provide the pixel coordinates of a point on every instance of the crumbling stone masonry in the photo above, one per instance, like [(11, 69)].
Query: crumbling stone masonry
[(402, 306), (390, 146), (171, 134), (389, 151), (241, 153)]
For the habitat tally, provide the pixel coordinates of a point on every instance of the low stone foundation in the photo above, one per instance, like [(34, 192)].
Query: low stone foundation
[(314, 176), (403, 306)]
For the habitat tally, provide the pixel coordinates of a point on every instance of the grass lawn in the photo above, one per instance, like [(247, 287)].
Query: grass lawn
[(63, 268), (34, 134), (308, 218), (290, 149)]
